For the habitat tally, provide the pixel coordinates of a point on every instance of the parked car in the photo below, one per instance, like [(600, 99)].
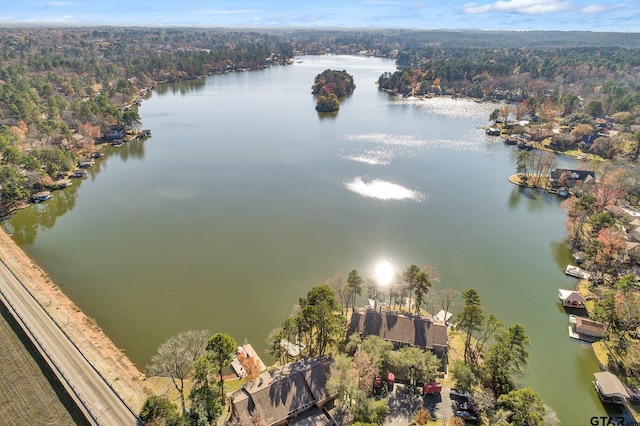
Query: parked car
[(464, 406), (460, 395)]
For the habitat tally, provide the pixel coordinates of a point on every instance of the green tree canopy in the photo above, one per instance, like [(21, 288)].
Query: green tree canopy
[(354, 281), (524, 407), (159, 410), (319, 321), (470, 319), (221, 348), (506, 360)]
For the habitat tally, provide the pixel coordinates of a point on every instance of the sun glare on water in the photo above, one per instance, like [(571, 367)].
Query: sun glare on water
[(383, 190), (384, 273)]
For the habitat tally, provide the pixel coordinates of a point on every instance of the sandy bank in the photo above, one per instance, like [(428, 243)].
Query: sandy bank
[(110, 361)]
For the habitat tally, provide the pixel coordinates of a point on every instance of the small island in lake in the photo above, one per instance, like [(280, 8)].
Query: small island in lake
[(329, 86)]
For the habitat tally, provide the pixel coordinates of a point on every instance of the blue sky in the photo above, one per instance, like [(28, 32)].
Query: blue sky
[(591, 15)]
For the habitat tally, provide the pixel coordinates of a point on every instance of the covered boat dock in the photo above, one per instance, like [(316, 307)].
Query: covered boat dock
[(610, 389)]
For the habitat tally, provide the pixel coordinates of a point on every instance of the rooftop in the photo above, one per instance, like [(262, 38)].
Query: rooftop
[(400, 328)]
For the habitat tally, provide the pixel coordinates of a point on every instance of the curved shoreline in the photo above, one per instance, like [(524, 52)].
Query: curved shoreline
[(112, 363)]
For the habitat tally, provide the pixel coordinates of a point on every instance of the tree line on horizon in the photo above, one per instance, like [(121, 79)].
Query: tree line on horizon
[(62, 89)]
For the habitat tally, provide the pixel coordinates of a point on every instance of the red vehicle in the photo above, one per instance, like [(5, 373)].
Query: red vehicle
[(431, 388)]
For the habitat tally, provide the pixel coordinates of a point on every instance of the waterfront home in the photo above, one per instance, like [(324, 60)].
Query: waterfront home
[(572, 299), (79, 173), (610, 389), (294, 394), (493, 131), (570, 177), (401, 329), (585, 329)]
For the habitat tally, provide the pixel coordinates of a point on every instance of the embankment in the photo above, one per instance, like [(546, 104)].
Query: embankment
[(110, 361)]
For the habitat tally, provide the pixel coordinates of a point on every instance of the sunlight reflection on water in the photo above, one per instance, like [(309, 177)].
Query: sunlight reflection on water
[(383, 190), (382, 148), (449, 107)]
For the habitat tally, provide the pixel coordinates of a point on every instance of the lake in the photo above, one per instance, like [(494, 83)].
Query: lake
[(245, 197)]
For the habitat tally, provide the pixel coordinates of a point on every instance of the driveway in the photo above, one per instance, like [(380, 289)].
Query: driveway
[(404, 401)]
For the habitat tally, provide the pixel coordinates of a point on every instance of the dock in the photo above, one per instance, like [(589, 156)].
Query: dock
[(246, 350), (584, 329), (574, 271), (41, 196), (86, 163)]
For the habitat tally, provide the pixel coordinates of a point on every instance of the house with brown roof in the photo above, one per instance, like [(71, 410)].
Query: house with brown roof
[(294, 394), (401, 329), (586, 329)]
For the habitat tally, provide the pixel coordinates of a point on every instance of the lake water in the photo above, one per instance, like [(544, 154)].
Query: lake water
[(245, 197)]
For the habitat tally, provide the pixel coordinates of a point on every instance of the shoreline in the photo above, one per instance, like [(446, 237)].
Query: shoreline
[(109, 360)]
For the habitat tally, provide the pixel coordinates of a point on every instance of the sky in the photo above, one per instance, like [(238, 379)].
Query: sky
[(563, 15)]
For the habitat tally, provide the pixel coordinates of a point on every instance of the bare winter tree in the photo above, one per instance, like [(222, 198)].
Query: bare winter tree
[(176, 356)]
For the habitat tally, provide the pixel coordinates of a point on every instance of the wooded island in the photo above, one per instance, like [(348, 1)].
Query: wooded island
[(329, 86)]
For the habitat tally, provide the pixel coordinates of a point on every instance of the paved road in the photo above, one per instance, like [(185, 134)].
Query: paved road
[(87, 387)]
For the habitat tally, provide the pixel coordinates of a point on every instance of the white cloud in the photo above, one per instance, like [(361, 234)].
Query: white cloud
[(59, 19), (525, 7), (595, 8)]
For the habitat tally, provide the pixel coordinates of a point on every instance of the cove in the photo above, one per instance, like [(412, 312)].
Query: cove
[(245, 197)]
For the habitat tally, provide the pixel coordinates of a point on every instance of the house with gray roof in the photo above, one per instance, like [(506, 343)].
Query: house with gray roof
[(401, 329), (292, 394)]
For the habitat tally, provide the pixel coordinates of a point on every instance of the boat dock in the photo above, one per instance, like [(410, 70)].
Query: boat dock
[(41, 196), (584, 329), (246, 351), (574, 271)]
